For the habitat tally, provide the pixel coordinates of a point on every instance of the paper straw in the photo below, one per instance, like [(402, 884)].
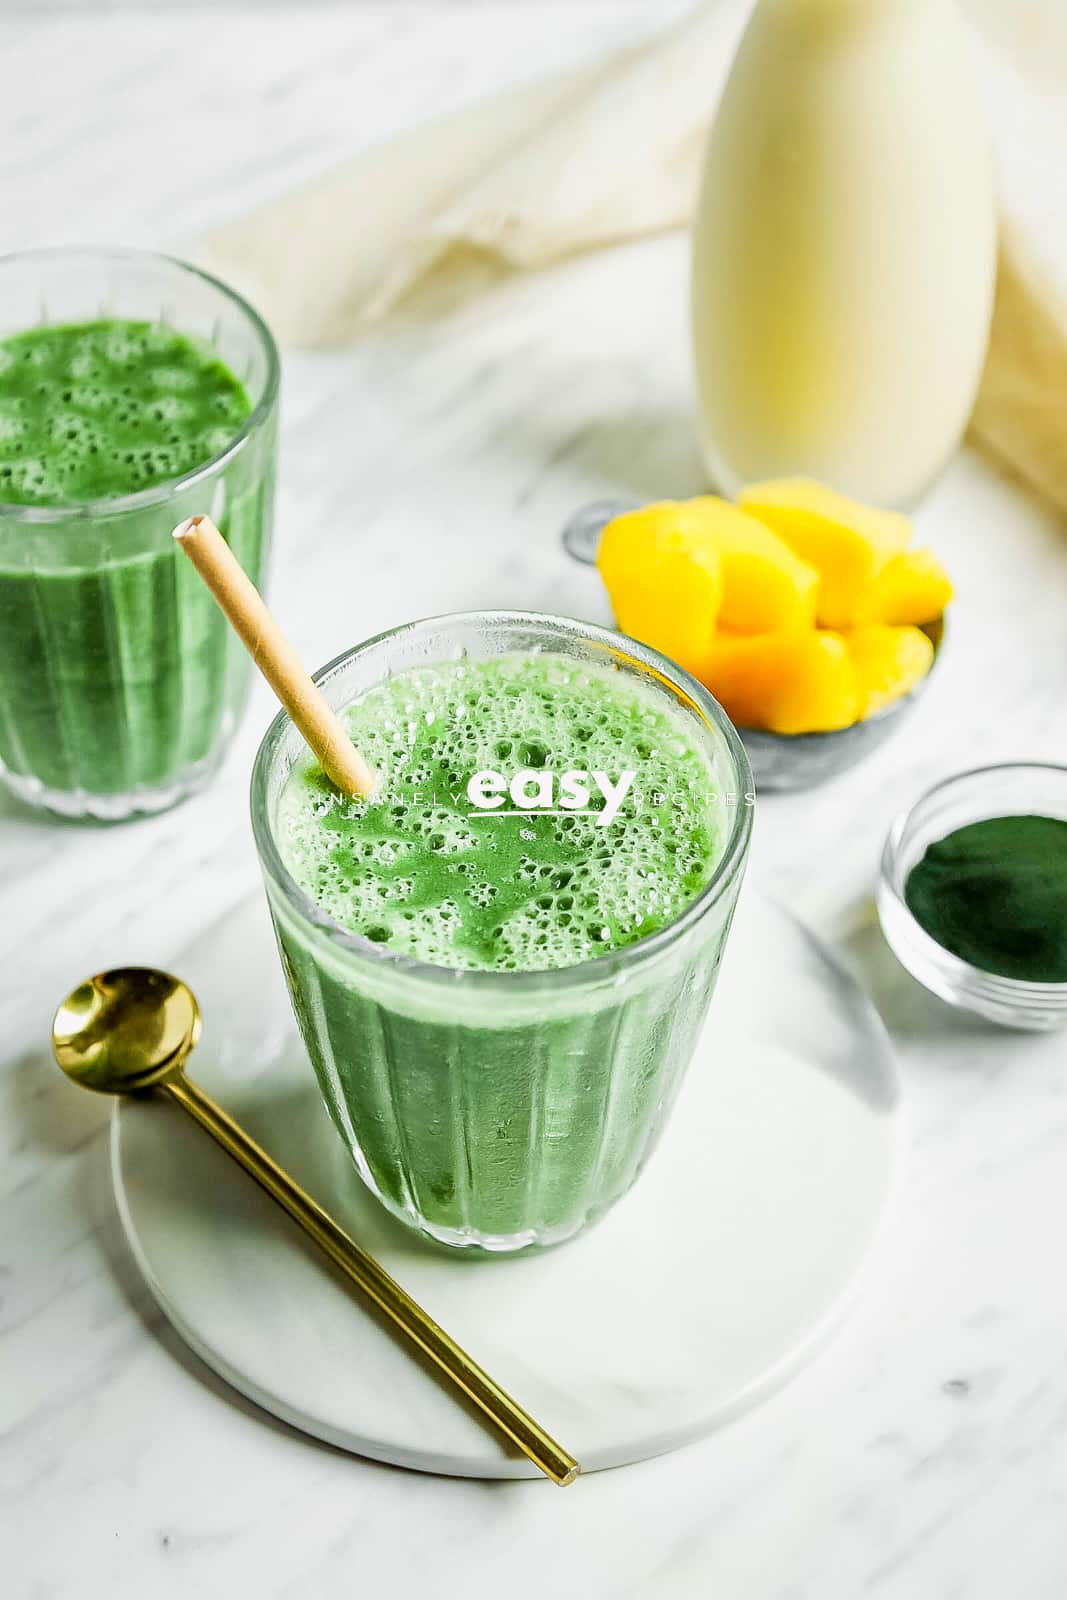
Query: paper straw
[(275, 657)]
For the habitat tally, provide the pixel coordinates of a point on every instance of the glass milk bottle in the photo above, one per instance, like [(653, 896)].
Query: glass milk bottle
[(844, 249)]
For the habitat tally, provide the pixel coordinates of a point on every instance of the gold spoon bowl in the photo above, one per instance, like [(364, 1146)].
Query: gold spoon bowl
[(125, 1031)]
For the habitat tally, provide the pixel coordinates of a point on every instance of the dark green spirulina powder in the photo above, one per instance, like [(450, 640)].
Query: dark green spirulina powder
[(994, 893)]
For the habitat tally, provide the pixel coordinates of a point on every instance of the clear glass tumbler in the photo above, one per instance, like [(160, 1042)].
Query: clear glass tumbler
[(120, 681), (499, 1109)]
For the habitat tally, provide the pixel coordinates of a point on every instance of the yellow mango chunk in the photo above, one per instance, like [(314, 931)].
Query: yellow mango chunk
[(911, 587), (796, 682), (765, 587), (847, 543), (664, 576), (889, 662)]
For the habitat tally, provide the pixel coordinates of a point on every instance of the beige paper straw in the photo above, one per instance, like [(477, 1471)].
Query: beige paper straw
[(275, 657)]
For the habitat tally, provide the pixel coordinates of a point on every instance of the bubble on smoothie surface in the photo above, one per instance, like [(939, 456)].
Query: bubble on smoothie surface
[(100, 409), (416, 871)]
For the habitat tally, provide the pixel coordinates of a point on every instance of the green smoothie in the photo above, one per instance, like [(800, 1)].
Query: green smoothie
[(517, 1116), (116, 671), (101, 409), (423, 870)]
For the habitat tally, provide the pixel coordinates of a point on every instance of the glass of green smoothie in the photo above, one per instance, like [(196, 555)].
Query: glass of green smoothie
[(500, 963), (134, 391)]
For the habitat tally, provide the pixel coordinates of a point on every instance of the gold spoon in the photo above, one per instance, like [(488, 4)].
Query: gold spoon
[(131, 1030)]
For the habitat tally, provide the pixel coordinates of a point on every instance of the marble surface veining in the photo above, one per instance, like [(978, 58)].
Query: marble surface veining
[(924, 1454)]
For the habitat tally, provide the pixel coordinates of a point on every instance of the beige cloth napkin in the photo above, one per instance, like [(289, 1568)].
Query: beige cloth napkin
[(612, 151)]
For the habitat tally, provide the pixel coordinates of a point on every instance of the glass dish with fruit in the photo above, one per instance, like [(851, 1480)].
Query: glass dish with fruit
[(812, 619)]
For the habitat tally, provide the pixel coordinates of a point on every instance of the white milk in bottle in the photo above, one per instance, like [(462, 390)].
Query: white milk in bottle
[(844, 249)]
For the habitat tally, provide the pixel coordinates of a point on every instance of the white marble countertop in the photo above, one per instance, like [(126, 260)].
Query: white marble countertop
[(924, 1453)]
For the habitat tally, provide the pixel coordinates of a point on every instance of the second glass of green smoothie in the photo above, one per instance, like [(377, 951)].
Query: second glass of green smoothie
[(134, 391), (497, 1081)]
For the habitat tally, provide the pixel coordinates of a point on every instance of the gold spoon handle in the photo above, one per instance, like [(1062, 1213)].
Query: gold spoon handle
[(376, 1284)]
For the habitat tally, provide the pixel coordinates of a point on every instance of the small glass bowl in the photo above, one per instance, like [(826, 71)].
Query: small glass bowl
[(1012, 789)]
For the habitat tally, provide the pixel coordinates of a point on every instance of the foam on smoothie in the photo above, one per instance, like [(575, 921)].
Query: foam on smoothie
[(99, 409), (415, 870)]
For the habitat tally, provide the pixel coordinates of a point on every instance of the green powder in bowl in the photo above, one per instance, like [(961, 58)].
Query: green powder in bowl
[(973, 892), (994, 893)]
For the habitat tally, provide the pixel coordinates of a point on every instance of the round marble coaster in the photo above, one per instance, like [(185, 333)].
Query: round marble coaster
[(707, 1286)]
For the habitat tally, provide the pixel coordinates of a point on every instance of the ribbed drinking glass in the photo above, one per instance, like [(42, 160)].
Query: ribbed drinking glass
[(503, 1109), (120, 681)]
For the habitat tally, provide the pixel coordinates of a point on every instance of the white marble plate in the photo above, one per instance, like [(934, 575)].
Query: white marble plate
[(706, 1287)]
